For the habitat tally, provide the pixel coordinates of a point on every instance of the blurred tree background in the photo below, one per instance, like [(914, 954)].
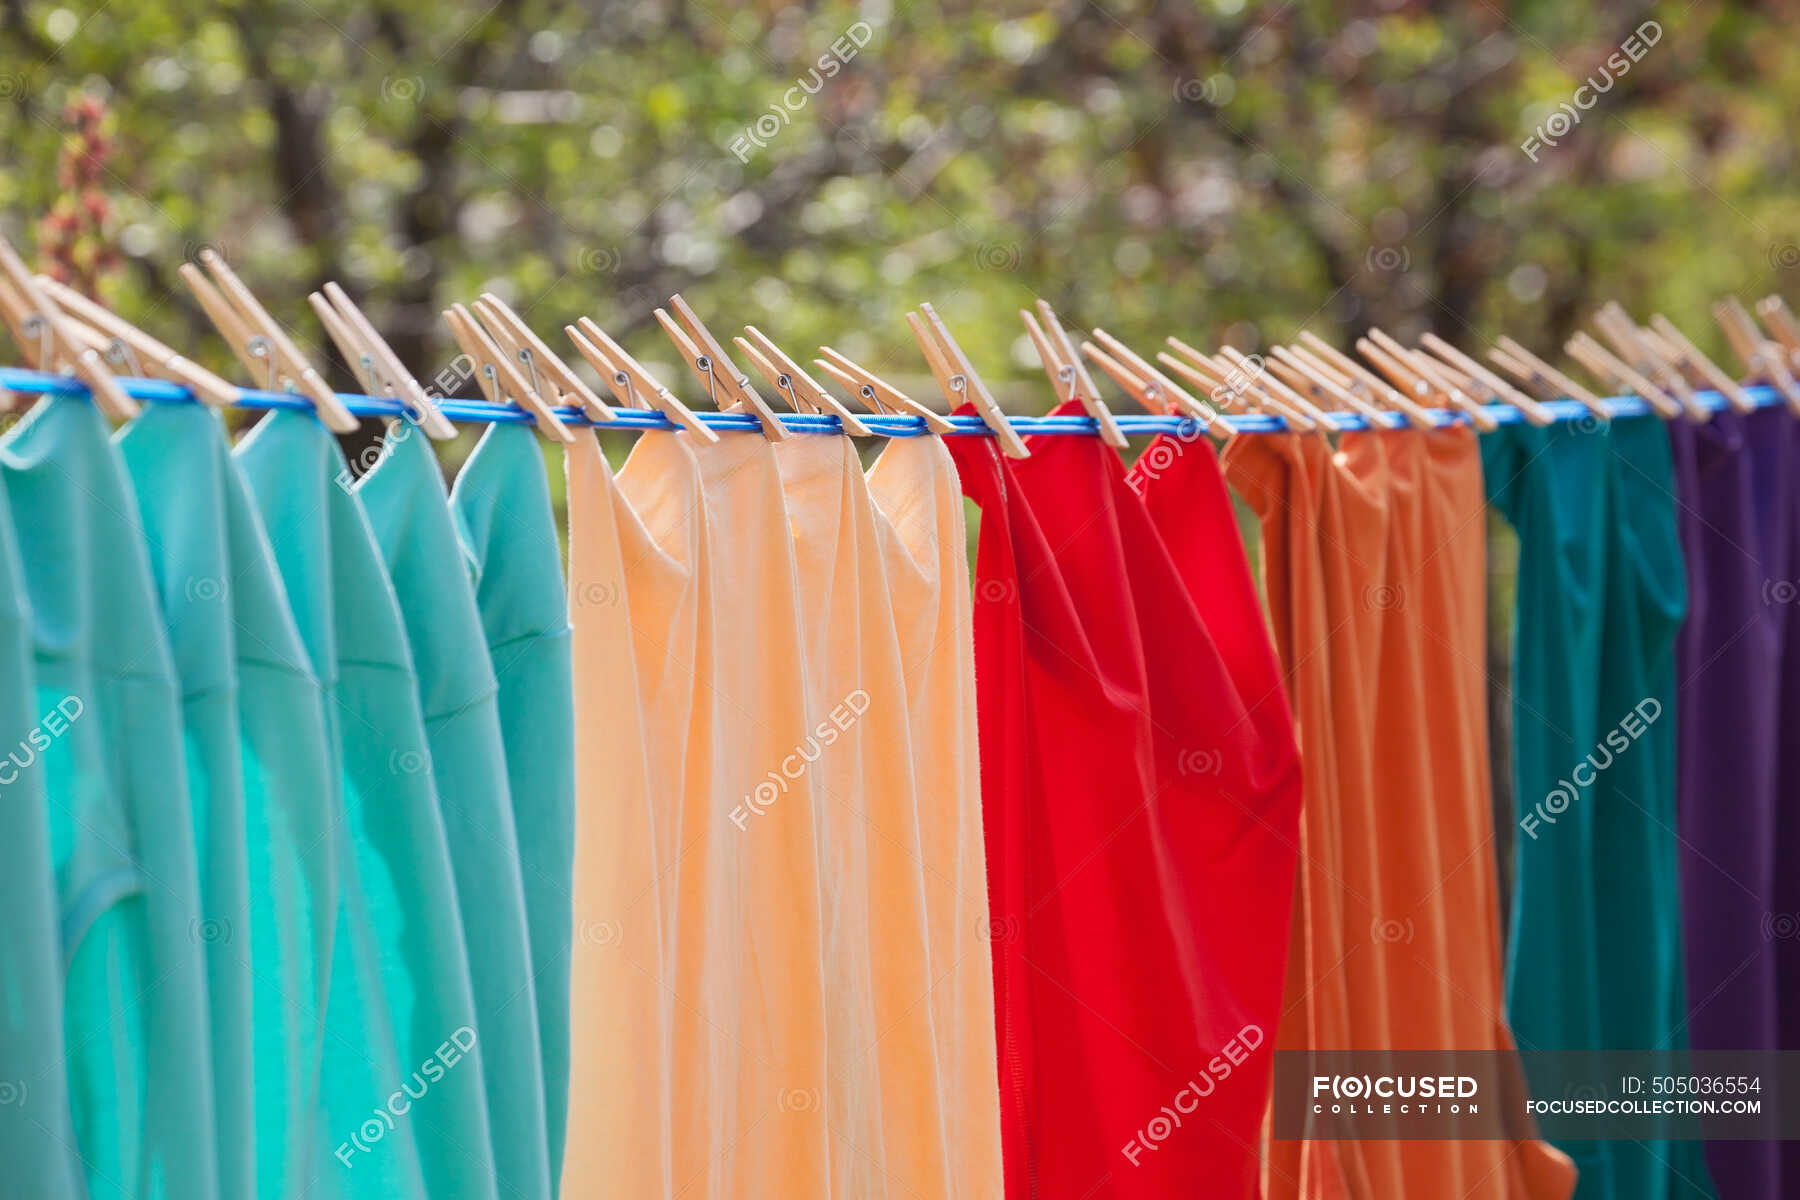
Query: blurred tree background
[(1227, 171)]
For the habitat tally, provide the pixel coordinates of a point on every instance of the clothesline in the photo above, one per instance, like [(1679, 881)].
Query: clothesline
[(29, 382)]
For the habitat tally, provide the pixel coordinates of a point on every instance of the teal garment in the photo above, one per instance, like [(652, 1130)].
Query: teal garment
[(260, 781), (1594, 955), (502, 504), (122, 835), (410, 514), (402, 1093), (36, 1138)]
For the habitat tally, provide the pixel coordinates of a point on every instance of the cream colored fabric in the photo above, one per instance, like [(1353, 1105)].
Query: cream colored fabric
[(781, 975)]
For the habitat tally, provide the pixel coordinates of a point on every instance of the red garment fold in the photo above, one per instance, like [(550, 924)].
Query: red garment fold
[(1141, 791)]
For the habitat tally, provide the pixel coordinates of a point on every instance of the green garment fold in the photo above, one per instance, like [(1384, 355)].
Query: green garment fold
[(107, 720), (36, 1139), (508, 527), (411, 518), (1594, 955), (402, 1095), (262, 790)]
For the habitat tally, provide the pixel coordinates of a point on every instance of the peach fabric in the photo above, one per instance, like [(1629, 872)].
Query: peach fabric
[(1376, 580), (698, 1067), (925, 542), (890, 1103)]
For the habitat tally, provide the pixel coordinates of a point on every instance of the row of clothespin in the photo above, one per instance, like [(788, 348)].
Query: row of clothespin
[(1297, 382), (58, 328)]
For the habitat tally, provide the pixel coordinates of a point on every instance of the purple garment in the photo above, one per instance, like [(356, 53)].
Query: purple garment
[(1738, 689)]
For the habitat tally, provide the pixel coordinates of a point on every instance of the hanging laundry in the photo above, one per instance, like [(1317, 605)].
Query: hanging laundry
[(35, 1131), (1736, 694), (1595, 956), (402, 1104), (122, 833), (634, 609), (1140, 839), (890, 1103), (508, 531), (708, 581), (1374, 565), (915, 488), (257, 755), (410, 515)]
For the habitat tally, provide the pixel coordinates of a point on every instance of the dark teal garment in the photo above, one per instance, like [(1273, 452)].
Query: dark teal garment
[(410, 515), (36, 1138), (1594, 958), (502, 503), (402, 1094), (260, 779), (122, 834)]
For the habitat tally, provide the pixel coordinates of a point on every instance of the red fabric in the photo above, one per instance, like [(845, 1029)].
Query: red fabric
[(1141, 796)]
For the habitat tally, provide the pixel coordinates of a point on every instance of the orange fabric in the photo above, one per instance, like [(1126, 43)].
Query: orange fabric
[(1374, 565)]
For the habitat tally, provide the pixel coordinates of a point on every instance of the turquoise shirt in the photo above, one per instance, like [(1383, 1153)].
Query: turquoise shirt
[(502, 503), (122, 835), (36, 1139), (1594, 954), (260, 776), (400, 973), (410, 514)]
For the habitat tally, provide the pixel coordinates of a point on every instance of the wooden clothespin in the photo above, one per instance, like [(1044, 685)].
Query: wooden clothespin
[(129, 346), (1157, 383), (499, 380), (877, 392), (1551, 383), (543, 363), (706, 358), (1316, 381), (1153, 390), (1700, 368), (360, 345), (1762, 358), (1362, 380), (631, 383), (1412, 372), (258, 341), (786, 376), (1644, 357), (1229, 384), (1786, 330), (1607, 366), (957, 379), (1262, 377), (1068, 376), (51, 340), (1435, 376), (1497, 388)]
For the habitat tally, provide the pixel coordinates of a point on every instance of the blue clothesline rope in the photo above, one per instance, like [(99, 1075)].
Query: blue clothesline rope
[(157, 391)]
